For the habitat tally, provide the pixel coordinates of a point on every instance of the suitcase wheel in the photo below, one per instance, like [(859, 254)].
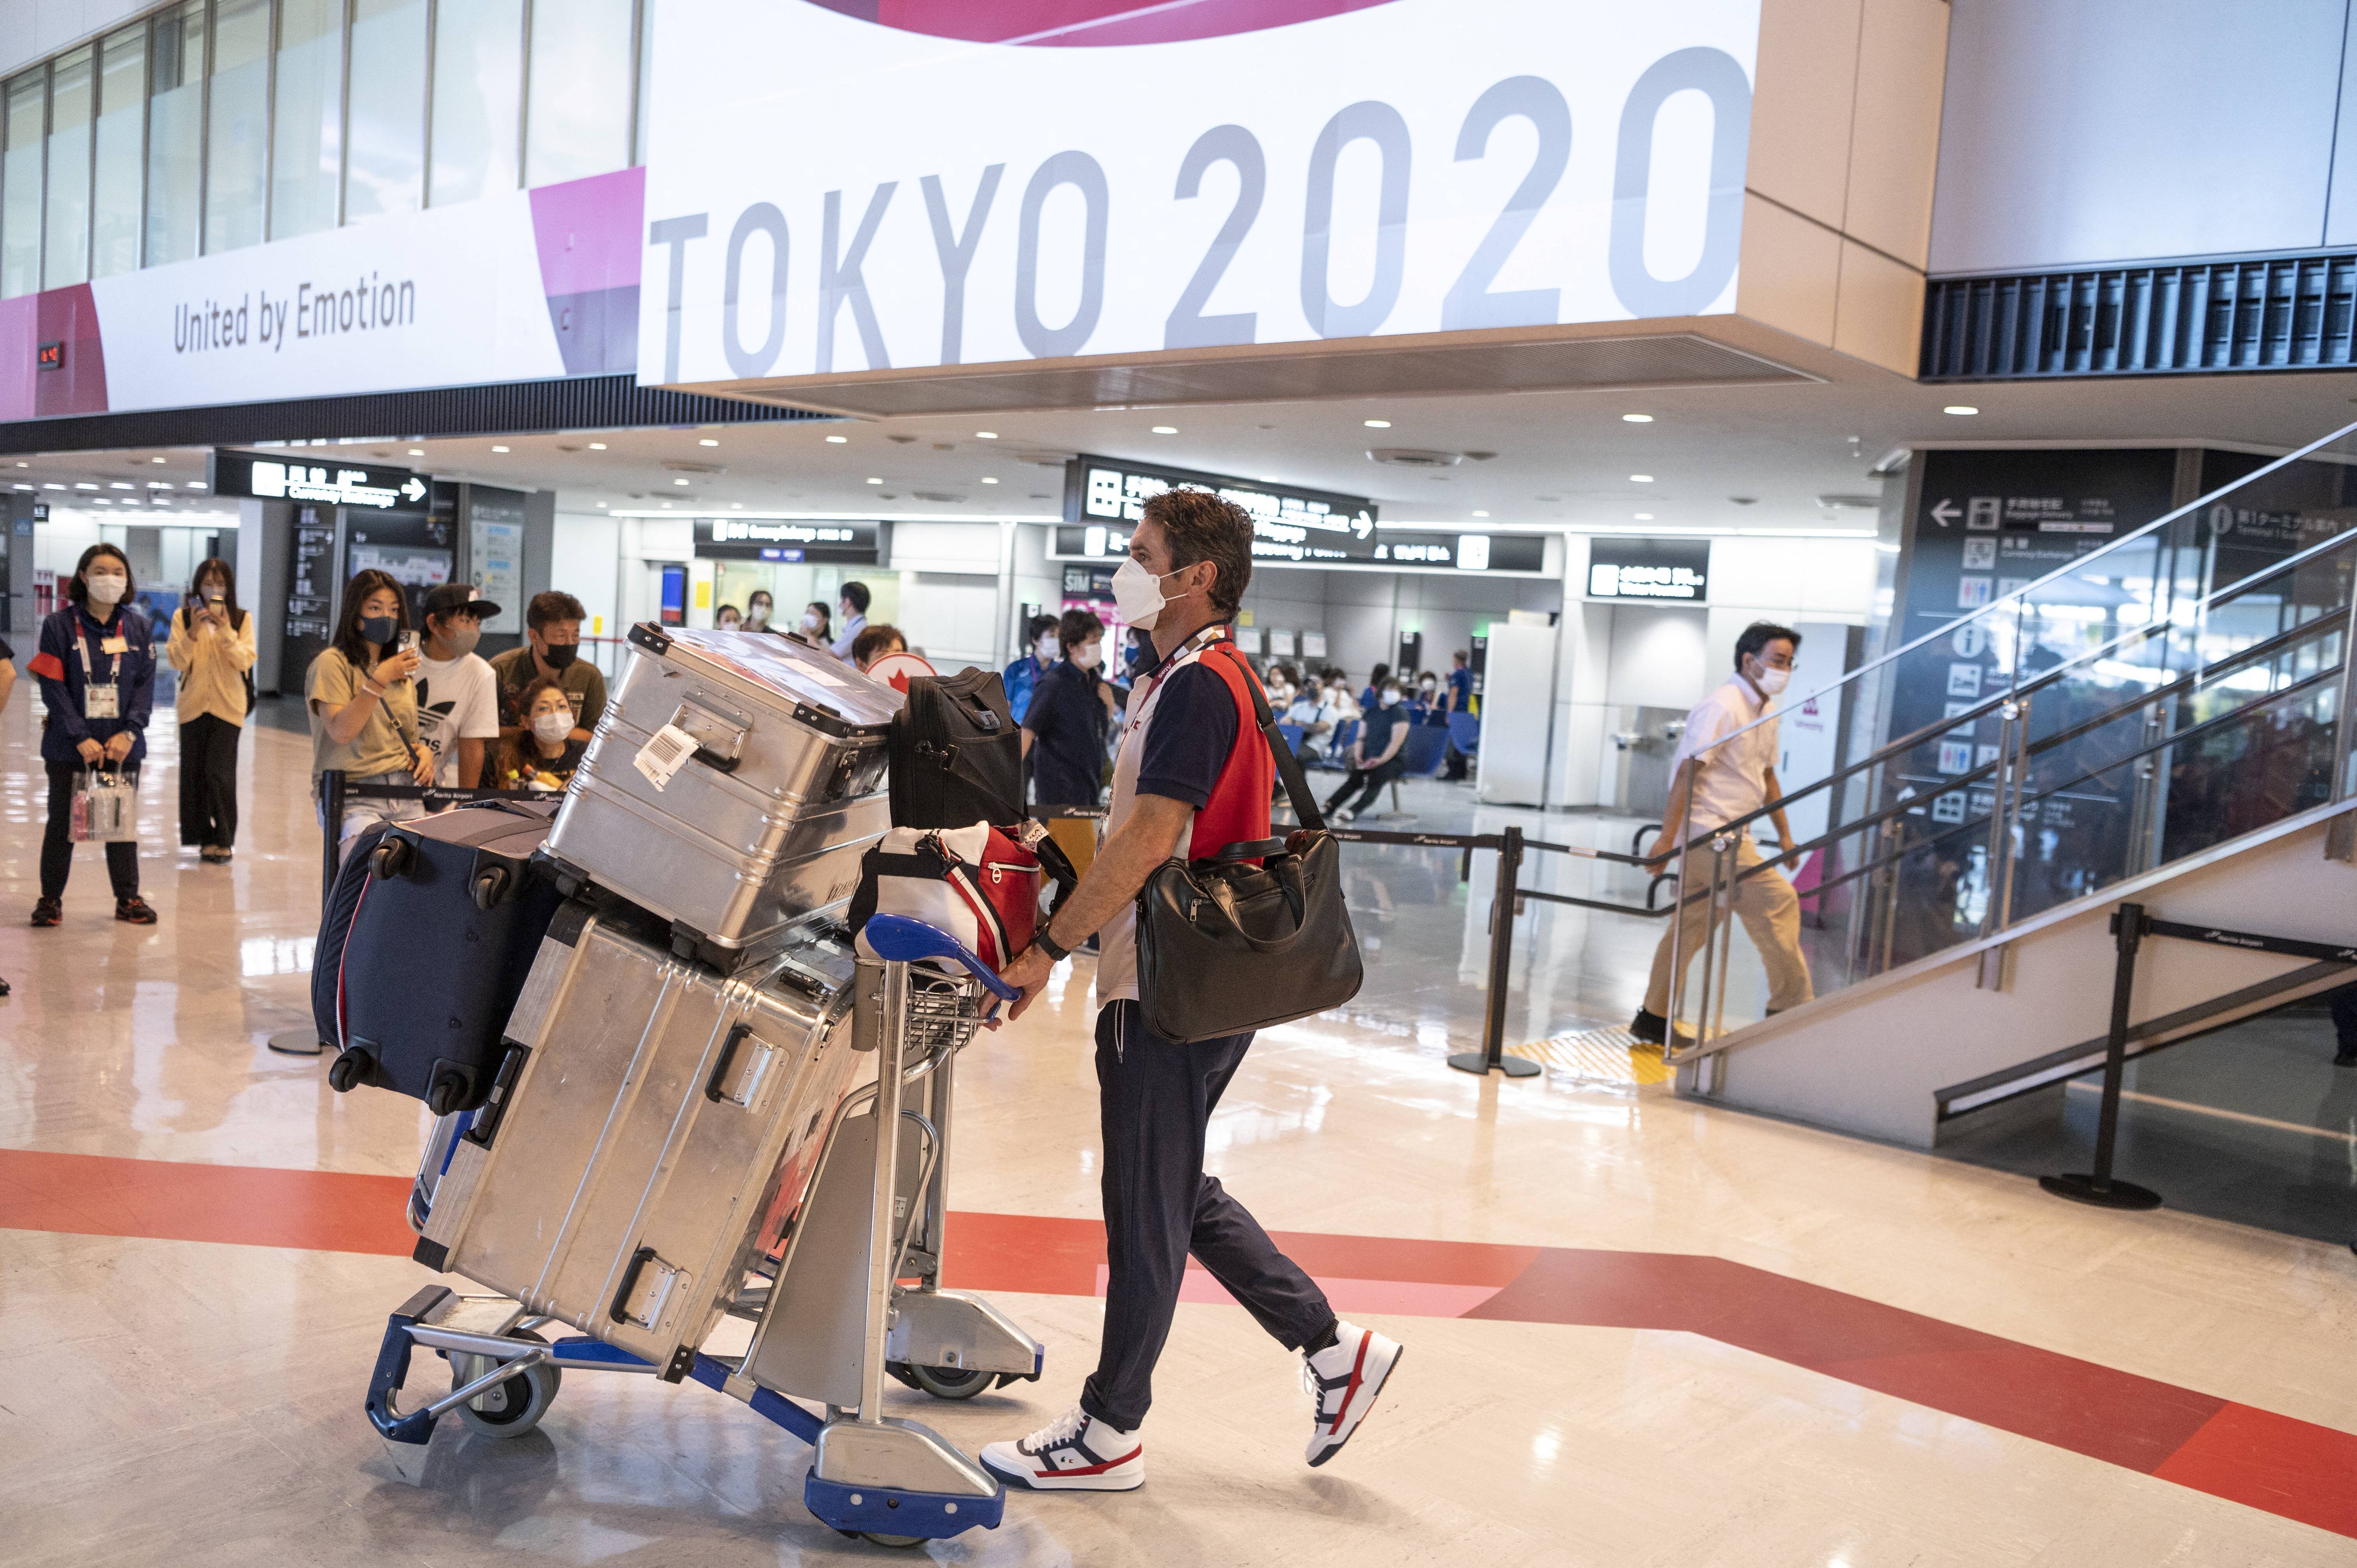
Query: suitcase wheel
[(448, 1092), (492, 885), (393, 856), (349, 1070)]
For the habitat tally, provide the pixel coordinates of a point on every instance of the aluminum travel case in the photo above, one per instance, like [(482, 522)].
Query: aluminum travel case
[(662, 1117), (765, 821)]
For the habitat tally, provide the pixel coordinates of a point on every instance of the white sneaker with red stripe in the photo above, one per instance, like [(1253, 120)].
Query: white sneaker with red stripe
[(1073, 1453), (1342, 1382)]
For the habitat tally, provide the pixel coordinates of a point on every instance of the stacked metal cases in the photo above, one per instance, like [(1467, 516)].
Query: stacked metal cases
[(774, 754), (619, 1182)]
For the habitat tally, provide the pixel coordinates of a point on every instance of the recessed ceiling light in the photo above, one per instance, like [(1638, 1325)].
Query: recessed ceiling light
[(985, 436), (737, 506), (1379, 425), (26, 486), (159, 484), (1638, 418), (417, 451), (1166, 430), (875, 481), (666, 506), (837, 440), (159, 500), (119, 485), (81, 486), (989, 481), (707, 441), (601, 503), (1481, 514), (104, 500), (194, 485), (151, 460), (597, 446), (1641, 478), (1644, 517), (50, 486), (498, 448), (1960, 408), (679, 481)]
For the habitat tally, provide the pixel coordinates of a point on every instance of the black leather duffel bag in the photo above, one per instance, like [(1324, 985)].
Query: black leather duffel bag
[(956, 754), (1225, 947)]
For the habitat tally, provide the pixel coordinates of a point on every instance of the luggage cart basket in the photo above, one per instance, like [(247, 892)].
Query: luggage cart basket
[(837, 1318)]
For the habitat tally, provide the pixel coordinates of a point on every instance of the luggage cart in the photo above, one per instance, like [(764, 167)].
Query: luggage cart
[(835, 1318)]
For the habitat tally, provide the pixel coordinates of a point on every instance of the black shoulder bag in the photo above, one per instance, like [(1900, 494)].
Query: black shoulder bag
[(1225, 947)]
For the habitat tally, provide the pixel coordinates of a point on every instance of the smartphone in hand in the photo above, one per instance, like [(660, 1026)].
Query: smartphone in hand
[(409, 642)]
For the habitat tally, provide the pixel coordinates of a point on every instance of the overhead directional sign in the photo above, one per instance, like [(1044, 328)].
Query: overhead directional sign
[(287, 477), (1945, 513), (1288, 523)]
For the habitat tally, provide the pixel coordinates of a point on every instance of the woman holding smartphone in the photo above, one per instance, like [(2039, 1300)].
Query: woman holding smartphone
[(97, 670), (211, 646), (364, 705)]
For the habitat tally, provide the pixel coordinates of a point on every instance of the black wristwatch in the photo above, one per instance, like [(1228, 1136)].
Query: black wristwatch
[(1047, 944)]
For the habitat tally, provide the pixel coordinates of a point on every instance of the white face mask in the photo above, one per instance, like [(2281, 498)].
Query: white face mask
[(1089, 655), (757, 616), (1137, 594), (106, 588), (552, 728), (1047, 649), (809, 620), (1772, 681), (1391, 697)]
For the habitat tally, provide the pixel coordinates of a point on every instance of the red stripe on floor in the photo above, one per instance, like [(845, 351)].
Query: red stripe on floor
[(97, 1194), (2291, 1468)]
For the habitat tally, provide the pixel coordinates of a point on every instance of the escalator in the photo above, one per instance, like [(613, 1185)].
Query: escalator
[(2164, 721)]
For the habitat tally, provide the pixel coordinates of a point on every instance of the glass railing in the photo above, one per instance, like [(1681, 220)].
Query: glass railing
[(2167, 693)]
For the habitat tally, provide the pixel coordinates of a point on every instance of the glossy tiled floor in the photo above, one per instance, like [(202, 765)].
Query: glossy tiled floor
[(1677, 1336)]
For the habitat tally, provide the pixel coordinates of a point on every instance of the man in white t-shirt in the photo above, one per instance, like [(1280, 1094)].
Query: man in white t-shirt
[(1724, 772), (458, 695)]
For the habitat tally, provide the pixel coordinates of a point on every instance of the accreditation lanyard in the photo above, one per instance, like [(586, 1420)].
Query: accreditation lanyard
[(1195, 644), (100, 700)]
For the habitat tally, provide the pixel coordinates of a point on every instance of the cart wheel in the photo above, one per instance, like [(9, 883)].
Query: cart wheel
[(517, 1404), (891, 1539), (950, 1382)]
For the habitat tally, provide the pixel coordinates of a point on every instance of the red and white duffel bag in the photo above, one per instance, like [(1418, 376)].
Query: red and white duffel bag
[(978, 884)]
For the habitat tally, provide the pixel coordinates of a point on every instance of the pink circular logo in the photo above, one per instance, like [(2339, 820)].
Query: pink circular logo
[(1086, 23)]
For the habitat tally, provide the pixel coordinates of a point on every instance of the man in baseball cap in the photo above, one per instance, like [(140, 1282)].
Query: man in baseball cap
[(458, 695)]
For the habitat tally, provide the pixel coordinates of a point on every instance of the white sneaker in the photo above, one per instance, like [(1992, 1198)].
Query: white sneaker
[(1073, 1453), (1342, 1382), (1340, 817)]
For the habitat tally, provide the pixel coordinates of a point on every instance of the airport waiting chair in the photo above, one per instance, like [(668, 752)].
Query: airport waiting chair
[(1338, 752), (1421, 753), (1465, 733)]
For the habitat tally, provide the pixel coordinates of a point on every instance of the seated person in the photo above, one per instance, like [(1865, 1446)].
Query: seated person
[(1315, 714), (542, 754), (874, 642)]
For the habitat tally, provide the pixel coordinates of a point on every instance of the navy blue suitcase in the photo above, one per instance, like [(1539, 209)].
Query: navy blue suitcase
[(424, 945)]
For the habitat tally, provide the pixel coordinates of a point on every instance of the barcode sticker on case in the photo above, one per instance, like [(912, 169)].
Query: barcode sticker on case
[(665, 755)]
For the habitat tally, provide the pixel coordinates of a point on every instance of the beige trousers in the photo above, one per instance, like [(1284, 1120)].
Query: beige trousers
[(1771, 912)]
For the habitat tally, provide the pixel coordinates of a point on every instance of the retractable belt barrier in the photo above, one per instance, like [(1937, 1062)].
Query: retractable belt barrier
[(336, 792)]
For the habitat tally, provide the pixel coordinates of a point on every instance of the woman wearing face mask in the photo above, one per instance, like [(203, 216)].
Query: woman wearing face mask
[(1064, 730), (756, 611), (97, 670), (364, 704), (541, 755), (727, 619), (1375, 756), (211, 646), (1040, 648), (816, 628)]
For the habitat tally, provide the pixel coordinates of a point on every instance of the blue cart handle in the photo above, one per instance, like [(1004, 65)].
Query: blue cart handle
[(899, 939)]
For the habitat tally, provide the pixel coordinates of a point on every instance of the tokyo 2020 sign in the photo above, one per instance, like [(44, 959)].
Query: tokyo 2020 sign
[(842, 186)]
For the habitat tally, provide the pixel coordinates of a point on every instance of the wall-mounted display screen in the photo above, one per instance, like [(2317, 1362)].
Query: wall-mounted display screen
[(1676, 571)]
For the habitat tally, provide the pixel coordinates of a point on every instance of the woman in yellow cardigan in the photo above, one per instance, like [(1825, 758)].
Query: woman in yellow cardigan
[(212, 648)]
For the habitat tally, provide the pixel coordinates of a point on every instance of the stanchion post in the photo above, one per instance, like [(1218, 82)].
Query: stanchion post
[(331, 829), (1491, 1057), (2097, 1187)]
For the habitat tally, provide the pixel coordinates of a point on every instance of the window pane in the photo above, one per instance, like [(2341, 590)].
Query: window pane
[(307, 154), (175, 133), (122, 95), (387, 160), (67, 259), (477, 93), (20, 185), (580, 91), (234, 147)]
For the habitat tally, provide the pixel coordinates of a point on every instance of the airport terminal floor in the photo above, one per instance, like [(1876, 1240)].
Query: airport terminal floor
[(1639, 1331)]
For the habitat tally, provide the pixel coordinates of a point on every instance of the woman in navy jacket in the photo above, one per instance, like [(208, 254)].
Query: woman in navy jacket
[(97, 670)]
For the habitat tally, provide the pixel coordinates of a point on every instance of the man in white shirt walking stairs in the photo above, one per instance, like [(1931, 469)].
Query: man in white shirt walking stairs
[(1716, 780)]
